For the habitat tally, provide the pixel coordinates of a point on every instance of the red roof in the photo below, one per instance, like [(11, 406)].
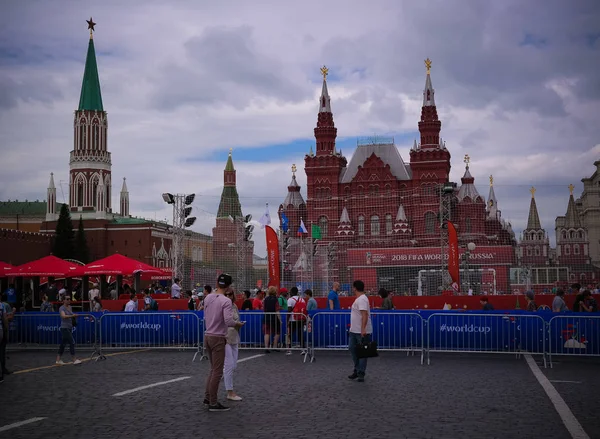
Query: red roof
[(118, 264), (5, 268), (49, 266)]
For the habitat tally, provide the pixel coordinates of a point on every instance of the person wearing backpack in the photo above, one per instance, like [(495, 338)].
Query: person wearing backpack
[(296, 319), (272, 319)]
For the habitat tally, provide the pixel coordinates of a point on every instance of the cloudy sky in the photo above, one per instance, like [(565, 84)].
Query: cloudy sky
[(517, 88)]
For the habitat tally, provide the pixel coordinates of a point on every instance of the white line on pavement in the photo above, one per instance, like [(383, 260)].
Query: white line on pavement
[(162, 383), (565, 381), (250, 358), (20, 424), (563, 410)]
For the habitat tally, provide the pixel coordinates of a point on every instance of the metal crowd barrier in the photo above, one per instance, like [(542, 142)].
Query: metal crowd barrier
[(292, 329), (574, 335), (486, 333), (151, 330), (393, 331), (42, 331)]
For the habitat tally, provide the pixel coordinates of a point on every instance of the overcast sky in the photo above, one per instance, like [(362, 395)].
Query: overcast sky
[(517, 88)]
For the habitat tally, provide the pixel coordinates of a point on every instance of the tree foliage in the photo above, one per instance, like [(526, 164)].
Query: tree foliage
[(64, 239), (82, 251)]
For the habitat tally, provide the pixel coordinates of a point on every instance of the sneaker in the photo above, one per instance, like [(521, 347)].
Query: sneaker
[(361, 379), (60, 362), (234, 398), (353, 376), (218, 407), (288, 353), (206, 402), (77, 362)]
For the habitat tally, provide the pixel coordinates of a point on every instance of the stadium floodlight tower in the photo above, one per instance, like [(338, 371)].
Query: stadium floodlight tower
[(181, 221)]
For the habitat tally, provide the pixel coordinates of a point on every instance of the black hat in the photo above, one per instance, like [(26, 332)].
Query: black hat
[(224, 280)]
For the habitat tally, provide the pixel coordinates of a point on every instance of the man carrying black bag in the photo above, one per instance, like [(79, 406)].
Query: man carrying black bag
[(360, 330)]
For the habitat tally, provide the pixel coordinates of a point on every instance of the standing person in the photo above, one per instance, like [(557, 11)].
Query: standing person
[(386, 304), (558, 304), (257, 303), (272, 319), (66, 331), (485, 304), (3, 341), (46, 306), (531, 306), (311, 303), (333, 299), (94, 292), (132, 305), (218, 316), (247, 305), (231, 350), (361, 329), (176, 289)]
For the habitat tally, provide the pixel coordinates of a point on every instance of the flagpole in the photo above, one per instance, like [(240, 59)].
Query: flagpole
[(312, 268), (301, 251)]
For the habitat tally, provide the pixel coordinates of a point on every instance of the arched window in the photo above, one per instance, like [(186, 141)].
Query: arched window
[(467, 225), (323, 226), (567, 250), (537, 250), (388, 190), (94, 193), (361, 225), (389, 227), (572, 234), (529, 251), (197, 254), (564, 235), (430, 222), (96, 136), (575, 249), (80, 191), (360, 191), (580, 234), (375, 225)]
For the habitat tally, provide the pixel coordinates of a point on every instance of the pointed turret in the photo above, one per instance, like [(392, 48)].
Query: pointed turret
[(230, 200), (533, 220), (429, 125), (124, 202), (293, 197), (325, 132), (294, 206), (492, 206), (91, 97), (467, 188), (401, 226), (572, 220), (345, 228), (51, 200)]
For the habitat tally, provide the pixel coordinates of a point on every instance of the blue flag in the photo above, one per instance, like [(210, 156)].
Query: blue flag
[(284, 222)]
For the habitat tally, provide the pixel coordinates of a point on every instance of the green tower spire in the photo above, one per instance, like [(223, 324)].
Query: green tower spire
[(91, 97), (230, 201)]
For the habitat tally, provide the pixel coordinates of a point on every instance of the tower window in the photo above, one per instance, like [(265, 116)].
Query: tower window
[(389, 229), (468, 225), (430, 220), (323, 226), (361, 225), (80, 194), (375, 226)]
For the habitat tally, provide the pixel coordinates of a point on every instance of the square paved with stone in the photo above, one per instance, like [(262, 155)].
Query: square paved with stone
[(455, 397)]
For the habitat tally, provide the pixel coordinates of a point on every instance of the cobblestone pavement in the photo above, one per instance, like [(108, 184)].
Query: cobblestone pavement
[(456, 397)]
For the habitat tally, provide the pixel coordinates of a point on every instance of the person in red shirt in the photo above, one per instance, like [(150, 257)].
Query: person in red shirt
[(257, 303)]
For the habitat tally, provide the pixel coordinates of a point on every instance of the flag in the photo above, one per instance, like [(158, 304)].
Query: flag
[(302, 228), (315, 231), (265, 220), (273, 257), (453, 258), (284, 222)]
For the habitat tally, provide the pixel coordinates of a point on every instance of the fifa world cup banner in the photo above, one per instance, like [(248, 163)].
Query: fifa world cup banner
[(453, 257), (273, 256)]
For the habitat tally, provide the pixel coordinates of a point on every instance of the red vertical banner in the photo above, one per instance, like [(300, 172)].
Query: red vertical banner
[(273, 256), (453, 257)]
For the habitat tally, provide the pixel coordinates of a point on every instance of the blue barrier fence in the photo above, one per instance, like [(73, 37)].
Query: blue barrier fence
[(543, 333)]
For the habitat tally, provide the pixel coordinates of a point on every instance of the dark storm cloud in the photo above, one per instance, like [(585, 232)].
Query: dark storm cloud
[(225, 67)]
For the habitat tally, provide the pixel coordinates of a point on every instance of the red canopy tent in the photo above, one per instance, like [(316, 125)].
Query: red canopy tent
[(118, 264), (48, 266), (5, 269)]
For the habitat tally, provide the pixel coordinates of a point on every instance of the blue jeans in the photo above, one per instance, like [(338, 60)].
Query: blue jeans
[(360, 365)]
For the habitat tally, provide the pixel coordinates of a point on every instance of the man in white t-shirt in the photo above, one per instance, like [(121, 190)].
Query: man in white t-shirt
[(132, 305), (361, 329), (94, 292), (176, 289)]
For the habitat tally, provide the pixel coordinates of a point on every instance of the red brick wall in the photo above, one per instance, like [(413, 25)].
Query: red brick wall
[(18, 247)]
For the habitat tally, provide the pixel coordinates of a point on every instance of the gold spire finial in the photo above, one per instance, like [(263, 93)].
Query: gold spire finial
[(571, 188), (532, 190), (428, 65), (294, 170), (491, 180), (324, 72), (467, 160), (91, 25), (230, 150)]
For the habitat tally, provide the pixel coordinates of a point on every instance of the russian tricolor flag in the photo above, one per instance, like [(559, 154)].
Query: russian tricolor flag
[(302, 228)]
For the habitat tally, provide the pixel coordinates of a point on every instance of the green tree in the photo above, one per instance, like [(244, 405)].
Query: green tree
[(82, 251), (64, 239)]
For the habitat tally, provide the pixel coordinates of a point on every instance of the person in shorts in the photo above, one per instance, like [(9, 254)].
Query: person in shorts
[(272, 319)]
